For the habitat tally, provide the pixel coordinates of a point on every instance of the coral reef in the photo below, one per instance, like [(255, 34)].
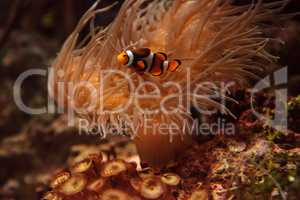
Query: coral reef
[(251, 165), (218, 179)]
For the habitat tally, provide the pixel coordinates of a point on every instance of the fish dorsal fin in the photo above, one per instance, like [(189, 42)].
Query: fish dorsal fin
[(140, 53)]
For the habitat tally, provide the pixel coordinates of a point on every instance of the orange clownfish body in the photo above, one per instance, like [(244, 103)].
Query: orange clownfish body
[(143, 60)]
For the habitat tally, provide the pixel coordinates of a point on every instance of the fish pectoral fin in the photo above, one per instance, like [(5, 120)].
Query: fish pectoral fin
[(141, 65)]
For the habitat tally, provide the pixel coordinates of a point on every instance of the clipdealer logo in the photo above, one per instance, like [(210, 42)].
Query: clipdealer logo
[(278, 83)]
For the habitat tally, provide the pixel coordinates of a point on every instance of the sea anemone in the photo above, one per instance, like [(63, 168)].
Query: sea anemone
[(217, 41)]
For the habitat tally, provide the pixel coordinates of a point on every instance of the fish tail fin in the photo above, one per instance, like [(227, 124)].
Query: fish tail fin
[(173, 65)]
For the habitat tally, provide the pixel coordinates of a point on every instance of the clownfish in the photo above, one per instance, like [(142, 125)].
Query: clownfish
[(143, 60)]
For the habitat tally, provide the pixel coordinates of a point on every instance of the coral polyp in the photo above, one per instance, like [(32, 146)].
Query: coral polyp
[(216, 40), (98, 185)]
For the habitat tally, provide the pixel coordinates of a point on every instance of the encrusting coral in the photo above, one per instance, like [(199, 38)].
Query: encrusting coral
[(216, 40)]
